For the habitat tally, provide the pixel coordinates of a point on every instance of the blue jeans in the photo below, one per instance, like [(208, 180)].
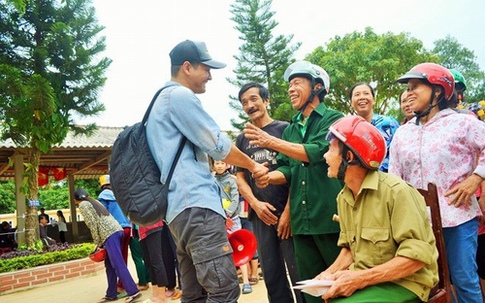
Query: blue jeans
[(461, 249)]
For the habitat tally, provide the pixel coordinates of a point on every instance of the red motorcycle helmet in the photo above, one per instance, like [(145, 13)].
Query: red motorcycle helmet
[(362, 138), (434, 74)]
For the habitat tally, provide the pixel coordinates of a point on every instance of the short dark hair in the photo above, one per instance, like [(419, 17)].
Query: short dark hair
[(359, 84), (400, 95), (263, 91)]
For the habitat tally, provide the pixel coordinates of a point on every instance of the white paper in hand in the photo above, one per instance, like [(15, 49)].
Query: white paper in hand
[(314, 287)]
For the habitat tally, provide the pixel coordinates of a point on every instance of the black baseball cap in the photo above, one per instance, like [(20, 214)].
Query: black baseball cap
[(193, 51)]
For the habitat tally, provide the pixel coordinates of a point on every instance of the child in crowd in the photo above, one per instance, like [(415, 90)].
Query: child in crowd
[(46, 240), (230, 202)]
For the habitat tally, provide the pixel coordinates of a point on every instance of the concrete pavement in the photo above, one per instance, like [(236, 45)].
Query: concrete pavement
[(89, 289)]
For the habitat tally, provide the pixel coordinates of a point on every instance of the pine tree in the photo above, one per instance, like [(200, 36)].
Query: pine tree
[(50, 70), (263, 58)]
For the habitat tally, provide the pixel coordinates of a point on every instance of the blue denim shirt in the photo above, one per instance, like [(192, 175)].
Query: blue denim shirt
[(178, 112)]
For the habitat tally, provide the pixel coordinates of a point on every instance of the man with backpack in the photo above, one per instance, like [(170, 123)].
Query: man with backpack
[(195, 214)]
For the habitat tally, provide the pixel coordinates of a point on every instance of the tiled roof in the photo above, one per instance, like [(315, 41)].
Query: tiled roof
[(82, 156), (102, 138)]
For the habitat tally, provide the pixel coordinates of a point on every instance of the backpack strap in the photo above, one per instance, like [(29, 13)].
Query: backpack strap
[(182, 142), (176, 159), (149, 109)]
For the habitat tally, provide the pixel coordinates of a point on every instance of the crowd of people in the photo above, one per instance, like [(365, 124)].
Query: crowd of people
[(375, 251), (295, 177)]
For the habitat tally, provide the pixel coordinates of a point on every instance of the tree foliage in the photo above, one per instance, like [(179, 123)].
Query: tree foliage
[(50, 70), (454, 55), (55, 195), (7, 197), (369, 57), (263, 57)]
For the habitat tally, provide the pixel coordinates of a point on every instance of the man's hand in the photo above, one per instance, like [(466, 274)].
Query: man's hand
[(284, 227), (260, 174), (463, 192), (346, 283), (264, 211), (257, 136)]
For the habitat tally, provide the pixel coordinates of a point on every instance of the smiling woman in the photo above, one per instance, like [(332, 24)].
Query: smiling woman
[(441, 146)]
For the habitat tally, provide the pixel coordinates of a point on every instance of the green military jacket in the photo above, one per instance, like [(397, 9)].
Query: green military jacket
[(312, 193)]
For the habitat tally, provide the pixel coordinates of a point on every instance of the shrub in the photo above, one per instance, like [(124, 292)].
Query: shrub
[(22, 259)]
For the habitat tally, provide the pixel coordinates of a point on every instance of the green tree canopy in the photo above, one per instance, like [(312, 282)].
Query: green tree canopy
[(7, 197), (263, 57), (55, 195), (50, 70), (454, 55), (369, 57)]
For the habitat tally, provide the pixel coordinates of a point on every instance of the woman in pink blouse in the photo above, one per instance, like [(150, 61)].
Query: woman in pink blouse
[(443, 147)]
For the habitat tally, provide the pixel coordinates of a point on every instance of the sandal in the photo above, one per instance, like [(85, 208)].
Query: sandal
[(253, 281), (133, 298), (247, 289), (106, 299), (177, 294)]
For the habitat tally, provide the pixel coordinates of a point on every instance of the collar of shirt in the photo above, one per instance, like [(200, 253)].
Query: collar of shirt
[(371, 182), (302, 122)]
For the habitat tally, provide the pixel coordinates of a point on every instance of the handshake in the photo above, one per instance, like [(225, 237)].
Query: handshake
[(260, 174)]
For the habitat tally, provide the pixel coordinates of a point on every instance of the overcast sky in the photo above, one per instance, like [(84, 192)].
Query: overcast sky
[(140, 35)]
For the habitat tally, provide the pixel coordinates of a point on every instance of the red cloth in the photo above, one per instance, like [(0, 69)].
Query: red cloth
[(481, 229), (59, 173), (144, 230), (43, 175)]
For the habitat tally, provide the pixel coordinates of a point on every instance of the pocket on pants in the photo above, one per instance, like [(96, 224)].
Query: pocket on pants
[(217, 275)]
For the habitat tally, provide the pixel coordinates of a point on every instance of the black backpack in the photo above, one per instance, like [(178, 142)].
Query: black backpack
[(135, 177)]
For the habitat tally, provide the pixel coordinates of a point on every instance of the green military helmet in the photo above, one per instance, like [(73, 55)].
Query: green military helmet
[(460, 82)]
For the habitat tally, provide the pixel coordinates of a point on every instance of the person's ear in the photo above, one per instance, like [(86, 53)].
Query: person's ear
[(266, 103), (350, 156), (186, 66), (438, 92)]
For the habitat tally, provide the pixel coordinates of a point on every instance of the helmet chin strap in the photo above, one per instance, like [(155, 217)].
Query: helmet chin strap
[(312, 95), (344, 164), (419, 115), (342, 169)]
